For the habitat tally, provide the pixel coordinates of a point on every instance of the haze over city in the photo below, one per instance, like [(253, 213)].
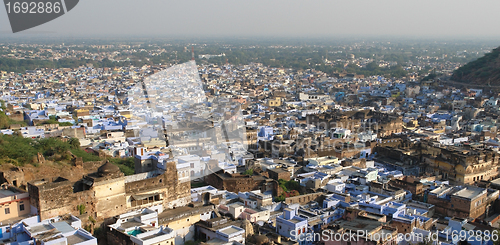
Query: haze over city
[(216, 122), (317, 18)]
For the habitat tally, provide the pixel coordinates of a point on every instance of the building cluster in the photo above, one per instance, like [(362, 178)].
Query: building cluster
[(251, 155), (92, 52)]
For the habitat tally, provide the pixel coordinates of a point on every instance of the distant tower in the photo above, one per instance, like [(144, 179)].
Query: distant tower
[(192, 52)]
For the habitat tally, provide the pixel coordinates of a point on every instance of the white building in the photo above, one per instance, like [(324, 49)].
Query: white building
[(196, 167), (55, 231)]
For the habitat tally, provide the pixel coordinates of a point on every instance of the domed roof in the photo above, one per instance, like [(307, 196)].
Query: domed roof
[(107, 169), (261, 239)]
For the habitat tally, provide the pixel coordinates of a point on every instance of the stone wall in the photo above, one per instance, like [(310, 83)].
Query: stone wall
[(403, 227), (277, 174), (408, 183), (22, 175), (106, 197), (56, 198), (117, 237), (74, 132), (14, 177), (304, 199), (240, 183), (457, 207)]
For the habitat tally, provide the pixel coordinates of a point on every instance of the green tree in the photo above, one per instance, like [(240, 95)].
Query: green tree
[(289, 186), (126, 165), (372, 66), (282, 184), (248, 172), (24, 150), (81, 208), (75, 143), (398, 71), (4, 121), (280, 198), (92, 224), (293, 185)]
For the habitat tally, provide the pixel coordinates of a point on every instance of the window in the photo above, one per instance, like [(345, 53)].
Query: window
[(21, 207), (7, 210)]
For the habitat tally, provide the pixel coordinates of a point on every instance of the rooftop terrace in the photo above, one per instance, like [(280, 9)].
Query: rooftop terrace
[(470, 192)]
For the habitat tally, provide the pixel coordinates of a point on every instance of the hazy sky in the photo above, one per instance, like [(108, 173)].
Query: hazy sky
[(275, 18)]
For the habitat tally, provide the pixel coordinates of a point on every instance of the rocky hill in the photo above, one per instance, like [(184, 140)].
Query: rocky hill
[(483, 71)]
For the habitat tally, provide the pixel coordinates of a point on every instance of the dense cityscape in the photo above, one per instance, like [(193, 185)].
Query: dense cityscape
[(248, 142)]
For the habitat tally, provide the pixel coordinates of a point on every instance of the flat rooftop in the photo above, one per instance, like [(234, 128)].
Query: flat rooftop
[(170, 213), (441, 190), (76, 239), (152, 236), (230, 230), (130, 224), (496, 181), (236, 204), (295, 220), (40, 228), (395, 205), (63, 227), (373, 216), (405, 217), (359, 224), (469, 192), (278, 170), (382, 233), (6, 193)]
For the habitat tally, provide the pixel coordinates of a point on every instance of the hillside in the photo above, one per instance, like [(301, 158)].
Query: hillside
[(483, 71), (25, 152)]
